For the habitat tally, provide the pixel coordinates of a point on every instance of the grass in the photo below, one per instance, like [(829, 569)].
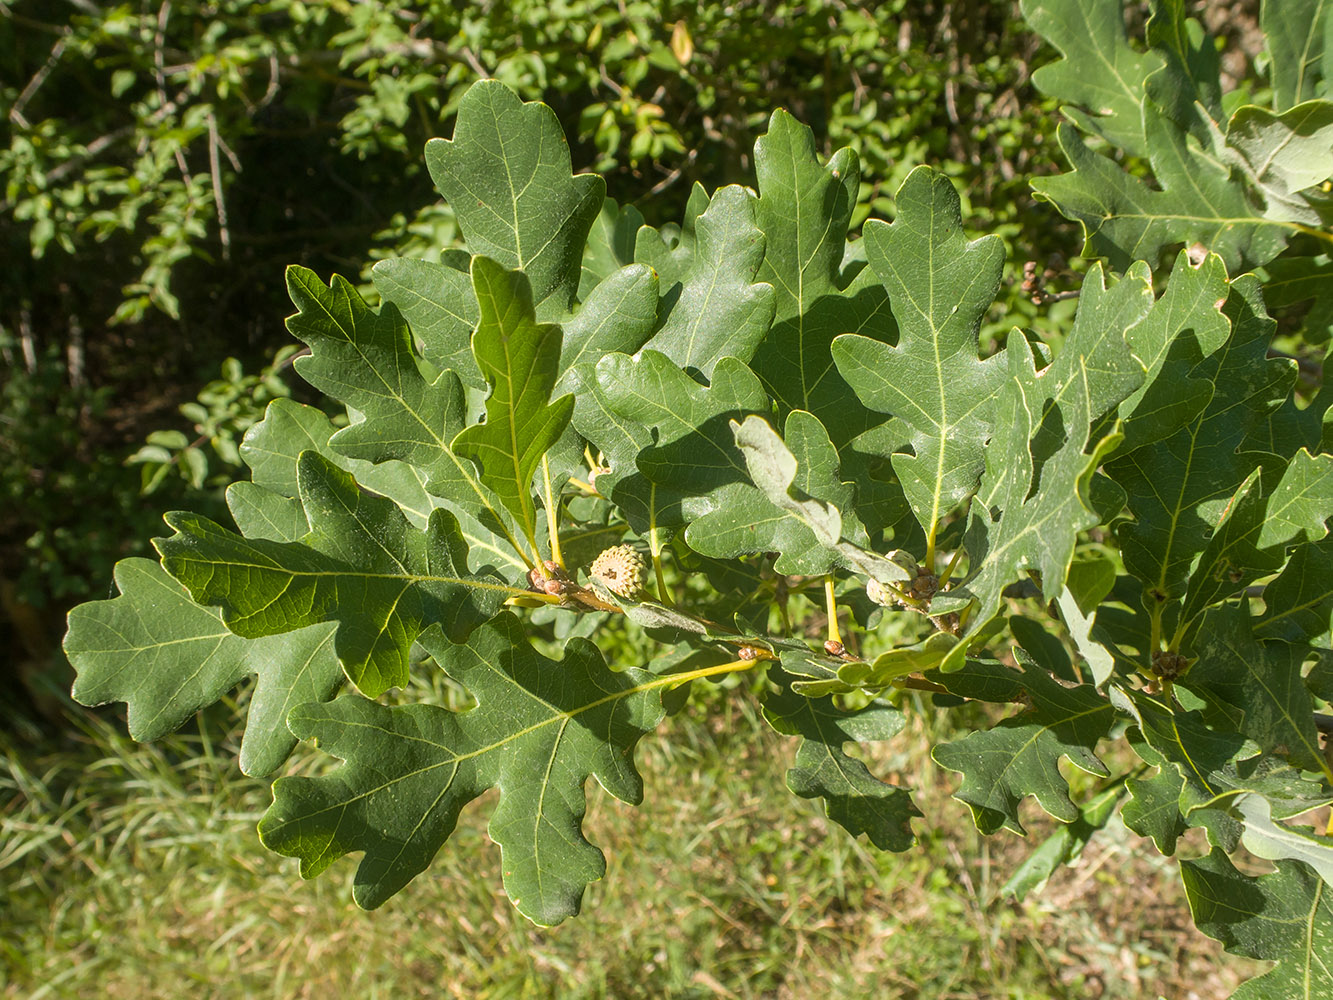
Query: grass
[(134, 872)]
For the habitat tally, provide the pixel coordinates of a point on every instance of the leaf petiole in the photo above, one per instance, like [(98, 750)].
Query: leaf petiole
[(552, 518)]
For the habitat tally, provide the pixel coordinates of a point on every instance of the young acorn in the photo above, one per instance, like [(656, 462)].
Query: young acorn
[(620, 569)]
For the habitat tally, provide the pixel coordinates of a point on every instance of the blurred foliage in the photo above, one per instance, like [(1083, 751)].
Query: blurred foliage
[(162, 161), (221, 414)]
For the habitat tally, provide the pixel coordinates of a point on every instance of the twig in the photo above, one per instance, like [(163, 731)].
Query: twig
[(215, 168), (38, 78), (472, 61), (674, 176)]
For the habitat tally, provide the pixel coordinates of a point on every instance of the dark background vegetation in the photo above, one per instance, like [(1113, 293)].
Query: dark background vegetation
[(162, 162)]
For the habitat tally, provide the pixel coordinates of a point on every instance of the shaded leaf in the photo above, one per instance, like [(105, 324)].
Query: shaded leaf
[(1020, 756), (1256, 684), (1286, 917), (1177, 488), (670, 445)]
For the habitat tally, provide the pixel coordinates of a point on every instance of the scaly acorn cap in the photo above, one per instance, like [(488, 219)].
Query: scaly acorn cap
[(620, 570)]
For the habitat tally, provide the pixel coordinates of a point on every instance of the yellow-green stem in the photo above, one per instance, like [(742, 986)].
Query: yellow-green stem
[(930, 547), (953, 564), (674, 680), (833, 633), (552, 517), (655, 550)]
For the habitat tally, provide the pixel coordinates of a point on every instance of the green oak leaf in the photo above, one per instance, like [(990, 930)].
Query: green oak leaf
[(1028, 516), (264, 513), (811, 514), (940, 287), (610, 245), (362, 565), (166, 657), (1298, 44), (518, 357), (1153, 809), (1285, 154), (1255, 684), (717, 309), (273, 447), (853, 797), (670, 250), (668, 438), (409, 412), (1177, 487), (506, 174), (1020, 756), (368, 361), (439, 305), (618, 316), (1196, 201), (1099, 70), (1184, 325), (1285, 917), (1292, 280), (540, 729), (745, 521), (804, 209), (1098, 351), (1256, 530), (1298, 604)]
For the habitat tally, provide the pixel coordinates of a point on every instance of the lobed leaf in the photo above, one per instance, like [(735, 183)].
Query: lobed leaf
[(166, 658), (361, 565), (506, 174), (939, 286), (853, 798), (540, 729), (1020, 756)]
